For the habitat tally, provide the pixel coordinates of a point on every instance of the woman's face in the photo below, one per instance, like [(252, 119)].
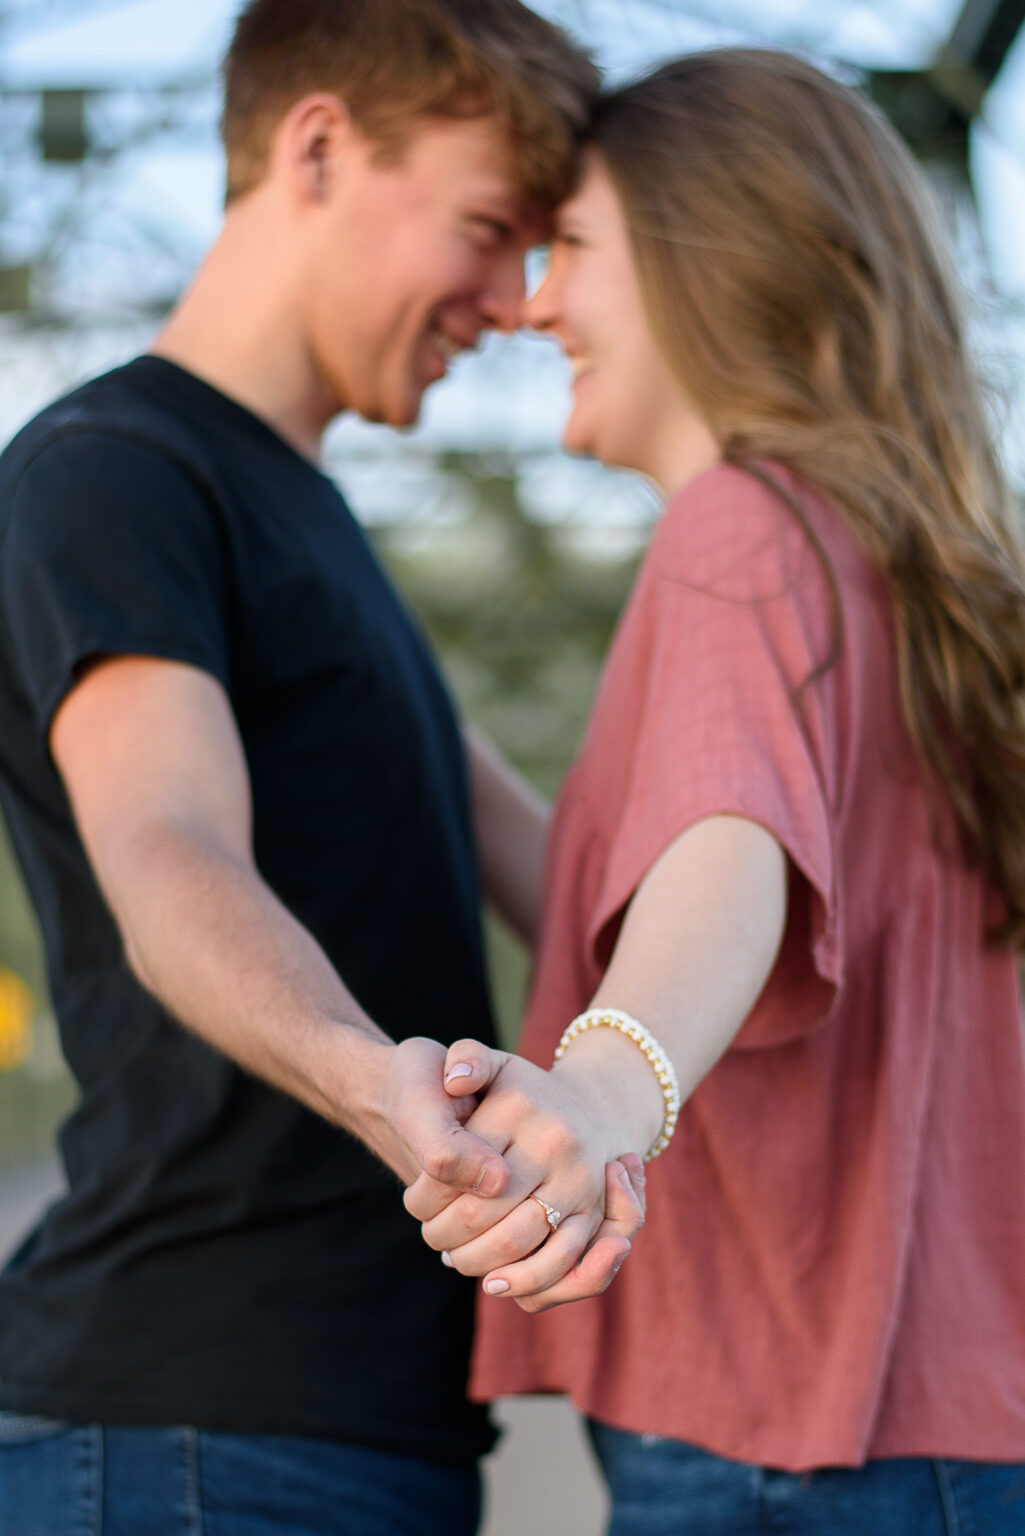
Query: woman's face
[(628, 408)]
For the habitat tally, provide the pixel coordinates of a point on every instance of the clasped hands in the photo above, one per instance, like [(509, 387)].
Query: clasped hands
[(551, 1143)]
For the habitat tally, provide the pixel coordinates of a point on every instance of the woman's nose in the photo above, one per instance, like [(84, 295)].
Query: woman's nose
[(540, 310)]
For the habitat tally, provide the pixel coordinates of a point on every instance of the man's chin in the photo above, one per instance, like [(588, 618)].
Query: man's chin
[(400, 413)]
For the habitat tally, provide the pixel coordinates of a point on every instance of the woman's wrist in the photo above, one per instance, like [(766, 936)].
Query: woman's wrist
[(618, 1085)]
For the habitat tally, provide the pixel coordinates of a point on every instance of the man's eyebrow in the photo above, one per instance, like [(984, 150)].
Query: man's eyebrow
[(504, 208)]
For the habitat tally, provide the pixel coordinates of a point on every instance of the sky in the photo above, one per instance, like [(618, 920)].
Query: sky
[(137, 222)]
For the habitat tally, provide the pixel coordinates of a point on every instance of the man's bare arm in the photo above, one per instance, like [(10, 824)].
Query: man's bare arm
[(156, 775)]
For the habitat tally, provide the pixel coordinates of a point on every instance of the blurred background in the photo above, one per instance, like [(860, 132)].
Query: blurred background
[(515, 556)]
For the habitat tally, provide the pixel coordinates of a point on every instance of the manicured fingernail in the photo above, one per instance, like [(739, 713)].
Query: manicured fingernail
[(496, 1287), (482, 1175), (461, 1069), (446, 1259)]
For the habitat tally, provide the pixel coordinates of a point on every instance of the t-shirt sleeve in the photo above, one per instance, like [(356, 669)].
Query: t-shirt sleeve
[(112, 548), (735, 616)]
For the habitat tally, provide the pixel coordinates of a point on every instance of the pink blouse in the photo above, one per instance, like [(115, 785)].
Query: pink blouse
[(833, 1265)]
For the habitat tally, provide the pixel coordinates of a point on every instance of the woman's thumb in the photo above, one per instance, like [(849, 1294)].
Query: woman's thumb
[(471, 1067)]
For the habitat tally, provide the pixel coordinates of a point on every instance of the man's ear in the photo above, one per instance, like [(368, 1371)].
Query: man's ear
[(309, 146)]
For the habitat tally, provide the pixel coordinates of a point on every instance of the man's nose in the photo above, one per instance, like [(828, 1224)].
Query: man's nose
[(504, 300)]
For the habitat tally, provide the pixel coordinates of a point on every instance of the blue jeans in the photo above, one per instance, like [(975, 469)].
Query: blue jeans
[(665, 1488), (87, 1480)]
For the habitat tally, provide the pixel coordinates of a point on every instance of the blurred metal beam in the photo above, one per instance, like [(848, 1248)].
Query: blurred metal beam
[(933, 108), (985, 32), (63, 138)]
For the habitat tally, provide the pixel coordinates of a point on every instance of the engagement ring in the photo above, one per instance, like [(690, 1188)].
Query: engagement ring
[(552, 1216)]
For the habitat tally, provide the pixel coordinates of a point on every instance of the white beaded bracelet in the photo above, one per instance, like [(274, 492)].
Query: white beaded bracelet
[(614, 1018)]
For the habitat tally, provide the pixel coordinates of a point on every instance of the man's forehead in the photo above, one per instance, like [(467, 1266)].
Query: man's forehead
[(478, 157)]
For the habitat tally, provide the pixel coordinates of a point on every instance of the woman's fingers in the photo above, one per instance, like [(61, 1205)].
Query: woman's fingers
[(522, 1232), (547, 1265), (427, 1199), (625, 1201), (545, 1280), (593, 1274), (471, 1220), (471, 1067)]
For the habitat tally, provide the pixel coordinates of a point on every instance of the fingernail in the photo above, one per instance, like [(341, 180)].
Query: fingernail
[(496, 1287), (461, 1069), (624, 1179), (446, 1259), (482, 1175)]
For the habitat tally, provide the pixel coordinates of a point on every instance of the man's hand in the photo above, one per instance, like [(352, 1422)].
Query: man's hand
[(558, 1145), (427, 1127)]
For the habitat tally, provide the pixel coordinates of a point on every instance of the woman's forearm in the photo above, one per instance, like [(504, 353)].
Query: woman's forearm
[(697, 945)]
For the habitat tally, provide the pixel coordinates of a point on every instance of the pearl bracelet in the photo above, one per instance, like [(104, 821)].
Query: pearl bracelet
[(614, 1018)]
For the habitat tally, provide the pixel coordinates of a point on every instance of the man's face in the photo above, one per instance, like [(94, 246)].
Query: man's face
[(411, 261)]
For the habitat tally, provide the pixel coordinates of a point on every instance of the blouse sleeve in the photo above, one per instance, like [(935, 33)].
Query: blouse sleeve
[(737, 617)]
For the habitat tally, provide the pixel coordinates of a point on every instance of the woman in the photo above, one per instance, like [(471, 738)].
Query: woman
[(792, 848)]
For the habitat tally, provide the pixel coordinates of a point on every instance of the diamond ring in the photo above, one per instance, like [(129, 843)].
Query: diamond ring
[(552, 1216)]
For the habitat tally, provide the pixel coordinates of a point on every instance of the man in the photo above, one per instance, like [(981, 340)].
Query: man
[(237, 791)]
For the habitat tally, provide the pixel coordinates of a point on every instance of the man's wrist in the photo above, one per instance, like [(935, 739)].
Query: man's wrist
[(357, 1091)]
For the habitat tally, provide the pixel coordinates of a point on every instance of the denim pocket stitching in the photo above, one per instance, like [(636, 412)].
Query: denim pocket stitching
[(948, 1497), (193, 1495)]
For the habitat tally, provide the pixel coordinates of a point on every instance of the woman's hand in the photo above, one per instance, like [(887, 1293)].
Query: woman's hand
[(601, 1260), (558, 1136)]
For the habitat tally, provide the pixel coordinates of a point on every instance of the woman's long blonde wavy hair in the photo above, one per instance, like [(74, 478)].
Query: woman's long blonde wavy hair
[(792, 273)]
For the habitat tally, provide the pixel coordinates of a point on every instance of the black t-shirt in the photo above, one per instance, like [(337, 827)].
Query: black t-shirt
[(224, 1258)]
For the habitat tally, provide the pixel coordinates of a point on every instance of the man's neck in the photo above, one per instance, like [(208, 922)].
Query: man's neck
[(238, 328)]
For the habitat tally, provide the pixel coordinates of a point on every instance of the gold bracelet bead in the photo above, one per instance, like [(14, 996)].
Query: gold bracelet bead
[(615, 1018)]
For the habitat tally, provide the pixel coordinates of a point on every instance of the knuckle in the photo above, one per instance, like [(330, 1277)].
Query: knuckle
[(509, 1248), (467, 1213), (555, 1139), (430, 1238), (441, 1162), (516, 1102)]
